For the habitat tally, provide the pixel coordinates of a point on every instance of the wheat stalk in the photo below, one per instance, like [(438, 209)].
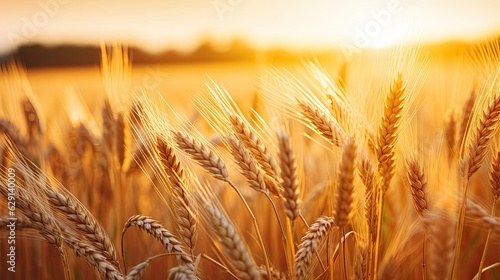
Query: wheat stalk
[(481, 137), (387, 138), (471, 162), (495, 189), (388, 132)]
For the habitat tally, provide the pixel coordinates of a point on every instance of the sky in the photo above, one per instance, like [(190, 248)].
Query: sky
[(181, 24)]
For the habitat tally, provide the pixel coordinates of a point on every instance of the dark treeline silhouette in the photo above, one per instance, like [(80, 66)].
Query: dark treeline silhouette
[(41, 56), (36, 55)]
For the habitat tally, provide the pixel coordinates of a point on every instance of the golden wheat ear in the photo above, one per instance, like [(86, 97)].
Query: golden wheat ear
[(388, 132), (84, 222), (289, 181), (310, 243), (255, 146), (345, 184), (156, 230), (39, 201), (177, 180), (322, 123), (466, 117), (32, 120), (417, 180), (481, 136), (203, 155), (495, 175)]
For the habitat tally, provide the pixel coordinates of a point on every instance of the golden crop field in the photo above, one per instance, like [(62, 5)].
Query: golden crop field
[(386, 166)]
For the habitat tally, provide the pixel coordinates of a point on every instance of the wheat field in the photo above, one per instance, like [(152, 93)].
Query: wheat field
[(383, 167)]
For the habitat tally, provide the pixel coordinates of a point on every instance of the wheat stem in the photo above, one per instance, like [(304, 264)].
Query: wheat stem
[(256, 226), (486, 244)]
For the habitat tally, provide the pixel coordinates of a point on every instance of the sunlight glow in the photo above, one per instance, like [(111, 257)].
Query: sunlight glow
[(158, 24)]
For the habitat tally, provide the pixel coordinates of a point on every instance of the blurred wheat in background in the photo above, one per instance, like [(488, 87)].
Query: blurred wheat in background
[(386, 167)]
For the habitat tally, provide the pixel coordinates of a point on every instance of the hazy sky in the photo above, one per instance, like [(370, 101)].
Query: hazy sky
[(155, 24)]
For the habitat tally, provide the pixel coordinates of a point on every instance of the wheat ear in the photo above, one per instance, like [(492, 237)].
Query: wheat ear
[(120, 139), (181, 273), (248, 166), (495, 175), (275, 274), (310, 243), (239, 257), (323, 124), (345, 184), (40, 220), (32, 121), (162, 235), (481, 137), (495, 189), (386, 150), (451, 136), (471, 162), (187, 223), (13, 134), (255, 145), (108, 128), (94, 258), (43, 221), (137, 271), (204, 156), (466, 117), (418, 185), (361, 262), (288, 164), (20, 222), (84, 222), (388, 132), (367, 175)]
